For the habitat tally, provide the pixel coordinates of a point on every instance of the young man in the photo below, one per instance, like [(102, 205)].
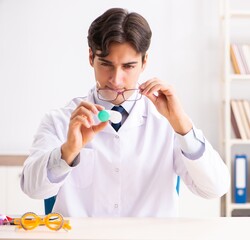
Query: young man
[(97, 171)]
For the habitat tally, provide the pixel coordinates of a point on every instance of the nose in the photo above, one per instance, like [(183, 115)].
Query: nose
[(116, 77)]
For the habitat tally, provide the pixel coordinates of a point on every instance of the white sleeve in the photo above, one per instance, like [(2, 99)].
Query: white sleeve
[(207, 176), (57, 168), (192, 144), (44, 160)]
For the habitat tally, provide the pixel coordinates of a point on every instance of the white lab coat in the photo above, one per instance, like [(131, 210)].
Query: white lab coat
[(129, 173)]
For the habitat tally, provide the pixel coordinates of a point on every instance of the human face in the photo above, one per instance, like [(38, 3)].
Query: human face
[(120, 70)]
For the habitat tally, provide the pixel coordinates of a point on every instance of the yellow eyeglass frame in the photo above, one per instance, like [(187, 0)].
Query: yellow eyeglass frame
[(54, 221)]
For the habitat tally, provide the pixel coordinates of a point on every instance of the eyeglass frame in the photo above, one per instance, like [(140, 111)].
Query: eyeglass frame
[(41, 221), (118, 93)]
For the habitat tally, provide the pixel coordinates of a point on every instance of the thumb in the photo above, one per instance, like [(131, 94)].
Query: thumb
[(152, 97), (99, 127)]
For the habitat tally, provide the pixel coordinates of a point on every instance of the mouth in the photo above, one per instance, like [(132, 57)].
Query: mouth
[(118, 90)]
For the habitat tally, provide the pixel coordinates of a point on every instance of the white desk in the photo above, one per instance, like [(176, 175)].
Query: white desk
[(140, 228)]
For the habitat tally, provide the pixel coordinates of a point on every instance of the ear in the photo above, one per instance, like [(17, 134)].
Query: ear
[(91, 57), (145, 61)]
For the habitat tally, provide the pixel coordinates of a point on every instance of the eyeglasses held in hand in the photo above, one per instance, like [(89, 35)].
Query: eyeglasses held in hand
[(112, 95), (53, 221)]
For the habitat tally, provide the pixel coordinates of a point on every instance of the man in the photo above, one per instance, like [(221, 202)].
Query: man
[(98, 171)]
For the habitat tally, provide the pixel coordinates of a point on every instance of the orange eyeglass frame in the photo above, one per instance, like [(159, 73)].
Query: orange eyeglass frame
[(53, 221)]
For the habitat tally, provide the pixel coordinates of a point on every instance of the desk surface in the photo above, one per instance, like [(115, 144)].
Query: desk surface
[(12, 160), (140, 228)]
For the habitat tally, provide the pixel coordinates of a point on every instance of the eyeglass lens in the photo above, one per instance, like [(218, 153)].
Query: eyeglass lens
[(54, 221), (29, 221), (110, 95)]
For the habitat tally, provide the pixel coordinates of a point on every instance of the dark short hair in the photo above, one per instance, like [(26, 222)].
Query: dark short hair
[(117, 25)]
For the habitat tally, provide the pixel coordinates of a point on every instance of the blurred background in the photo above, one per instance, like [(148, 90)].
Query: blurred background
[(44, 64)]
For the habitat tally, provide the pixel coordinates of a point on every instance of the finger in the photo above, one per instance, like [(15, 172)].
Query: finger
[(152, 88), (145, 84), (80, 121), (99, 127), (152, 97), (84, 112), (145, 87), (87, 110), (94, 108), (99, 107)]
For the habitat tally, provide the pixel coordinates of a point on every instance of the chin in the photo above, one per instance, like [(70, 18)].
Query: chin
[(118, 102)]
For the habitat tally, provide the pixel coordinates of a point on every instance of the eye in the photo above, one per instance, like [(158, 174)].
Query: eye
[(106, 65), (128, 66)]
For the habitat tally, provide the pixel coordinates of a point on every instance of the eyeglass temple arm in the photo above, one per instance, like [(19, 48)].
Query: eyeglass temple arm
[(66, 225)]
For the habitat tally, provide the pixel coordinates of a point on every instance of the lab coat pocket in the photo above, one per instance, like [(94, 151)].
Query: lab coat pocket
[(82, 175)]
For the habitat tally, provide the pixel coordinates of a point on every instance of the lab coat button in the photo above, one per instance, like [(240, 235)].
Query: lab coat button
[(117, 169), (116, 136), (116, 205)]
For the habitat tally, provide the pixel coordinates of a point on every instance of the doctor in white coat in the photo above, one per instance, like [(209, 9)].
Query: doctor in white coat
[(97, 171)]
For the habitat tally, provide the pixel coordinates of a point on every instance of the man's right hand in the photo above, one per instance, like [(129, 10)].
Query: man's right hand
[(82, 129)]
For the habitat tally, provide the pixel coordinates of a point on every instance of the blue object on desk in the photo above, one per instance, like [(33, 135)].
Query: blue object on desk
[(48, 204), (178, 184), (240, 178)]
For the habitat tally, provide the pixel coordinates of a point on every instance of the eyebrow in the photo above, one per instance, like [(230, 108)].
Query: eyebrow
[(109, 62)]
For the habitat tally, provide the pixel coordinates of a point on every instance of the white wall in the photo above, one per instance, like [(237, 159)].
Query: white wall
[(44, 63)]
